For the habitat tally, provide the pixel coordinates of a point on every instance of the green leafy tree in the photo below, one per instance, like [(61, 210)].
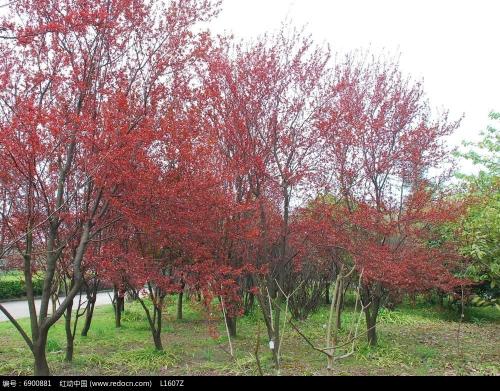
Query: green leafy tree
[(481, 225)]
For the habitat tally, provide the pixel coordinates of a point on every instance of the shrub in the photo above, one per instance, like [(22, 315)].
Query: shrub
[(12, 286)]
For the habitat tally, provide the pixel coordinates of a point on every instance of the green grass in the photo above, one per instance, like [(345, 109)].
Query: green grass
[(419, 340)]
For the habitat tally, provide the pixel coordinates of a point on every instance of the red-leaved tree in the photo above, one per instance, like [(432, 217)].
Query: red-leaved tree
[(386, 161), (83, 87)]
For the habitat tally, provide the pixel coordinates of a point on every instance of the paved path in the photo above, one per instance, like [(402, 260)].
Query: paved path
[(19, 309)]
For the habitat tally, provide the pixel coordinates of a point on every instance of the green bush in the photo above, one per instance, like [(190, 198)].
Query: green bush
[(12, 286)]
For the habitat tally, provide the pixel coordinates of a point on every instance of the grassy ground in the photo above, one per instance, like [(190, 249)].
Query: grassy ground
[(420, 340)]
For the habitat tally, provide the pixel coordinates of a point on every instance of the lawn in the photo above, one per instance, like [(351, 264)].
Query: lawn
[(413, 340)]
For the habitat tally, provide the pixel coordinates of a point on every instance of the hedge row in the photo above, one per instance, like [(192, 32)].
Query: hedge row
[(13, 287)]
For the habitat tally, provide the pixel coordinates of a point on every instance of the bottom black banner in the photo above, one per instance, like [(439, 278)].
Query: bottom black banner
[(141, 383)]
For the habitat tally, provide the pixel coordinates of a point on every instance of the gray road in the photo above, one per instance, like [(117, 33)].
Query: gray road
[(19, 309)]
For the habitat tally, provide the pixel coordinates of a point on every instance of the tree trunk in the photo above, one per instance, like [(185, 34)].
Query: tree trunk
[(88, 317), (328, 300), (371, 296), (119, 307), (179, 306), (69, 349), (332, 328), (179, 303), (371, 323), (157, 331), (276, 331), (441, 300), (231, 326), (118, 313), (372, 330), (157, 341), (92, 291), (413, 300), (41, 365), (54, 304), (69, 334), (271, 332), (249, 303), (340, 304)]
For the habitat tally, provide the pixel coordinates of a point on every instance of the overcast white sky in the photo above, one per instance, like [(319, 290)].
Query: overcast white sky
[(453, 45)]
